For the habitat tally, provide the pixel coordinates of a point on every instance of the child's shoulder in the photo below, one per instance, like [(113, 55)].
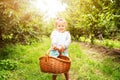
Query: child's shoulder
[(67, 32)]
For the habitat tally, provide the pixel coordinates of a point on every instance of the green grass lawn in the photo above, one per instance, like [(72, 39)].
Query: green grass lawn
[(22, 63), (105, 42)]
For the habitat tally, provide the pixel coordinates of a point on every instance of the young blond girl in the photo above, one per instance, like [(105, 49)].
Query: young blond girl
[(60, 39)]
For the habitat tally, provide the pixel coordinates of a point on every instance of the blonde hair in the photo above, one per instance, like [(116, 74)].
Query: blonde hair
[(60, 19)]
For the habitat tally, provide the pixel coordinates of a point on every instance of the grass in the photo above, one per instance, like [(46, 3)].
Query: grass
[(24, 61), (86, 68), (105, 42), (109, 43)]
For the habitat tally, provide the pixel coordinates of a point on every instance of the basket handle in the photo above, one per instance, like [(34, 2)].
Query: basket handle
[(47, 55), (48, 51)]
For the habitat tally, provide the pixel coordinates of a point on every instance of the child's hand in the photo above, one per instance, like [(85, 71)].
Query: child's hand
[(61, 49), (54, 47)]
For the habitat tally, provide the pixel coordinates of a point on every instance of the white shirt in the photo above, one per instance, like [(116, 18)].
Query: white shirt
[(59, 38)]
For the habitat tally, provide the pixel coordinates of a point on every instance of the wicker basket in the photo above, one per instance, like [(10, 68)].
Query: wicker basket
[(54, 65)]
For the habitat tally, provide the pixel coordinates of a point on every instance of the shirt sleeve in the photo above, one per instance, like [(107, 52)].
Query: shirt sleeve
[(68, 40), (53, 38)]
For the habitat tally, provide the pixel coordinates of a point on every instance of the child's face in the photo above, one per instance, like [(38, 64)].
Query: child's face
[(60, 26)]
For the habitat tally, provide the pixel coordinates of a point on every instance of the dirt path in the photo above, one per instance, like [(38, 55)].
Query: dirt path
[(94, 52)]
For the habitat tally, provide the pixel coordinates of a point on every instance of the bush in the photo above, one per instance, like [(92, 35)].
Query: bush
[(4, 75), (8, 64)]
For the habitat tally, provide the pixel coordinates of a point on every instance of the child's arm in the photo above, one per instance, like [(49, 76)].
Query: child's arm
[(54, 41), (63, 46), (66, 43), (53, 38), (68, 40)]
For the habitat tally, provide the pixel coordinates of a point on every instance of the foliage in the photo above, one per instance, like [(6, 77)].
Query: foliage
[(93, 19), (8, 64), (48, 27), (19, 23), (112, 44), (4, 75)]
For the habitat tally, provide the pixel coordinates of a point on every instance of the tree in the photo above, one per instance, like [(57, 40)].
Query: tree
[(19, 23), (93, 18)]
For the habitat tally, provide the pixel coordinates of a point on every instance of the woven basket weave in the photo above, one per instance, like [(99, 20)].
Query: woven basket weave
[(54, 65)]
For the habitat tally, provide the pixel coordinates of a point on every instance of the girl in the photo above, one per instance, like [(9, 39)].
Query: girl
[(60, 41)]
